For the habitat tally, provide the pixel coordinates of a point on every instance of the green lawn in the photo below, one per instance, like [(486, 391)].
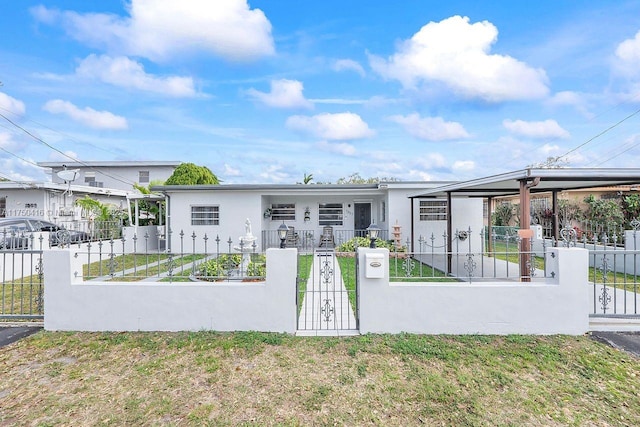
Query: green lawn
[(258, 379)]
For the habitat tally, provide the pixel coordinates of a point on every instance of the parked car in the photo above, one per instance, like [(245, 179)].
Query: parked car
[(16, 232)]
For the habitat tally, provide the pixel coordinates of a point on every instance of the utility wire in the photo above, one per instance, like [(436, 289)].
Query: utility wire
[(63, 153), (600, 134)]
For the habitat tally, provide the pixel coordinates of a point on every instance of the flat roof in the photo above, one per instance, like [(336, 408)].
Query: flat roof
[(109, 163), (545, 180), (20, 185)]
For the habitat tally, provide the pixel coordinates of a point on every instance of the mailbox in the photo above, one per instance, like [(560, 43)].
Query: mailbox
[(374, 266)]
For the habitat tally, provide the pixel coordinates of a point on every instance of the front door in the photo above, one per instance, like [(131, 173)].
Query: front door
[(362, 218)]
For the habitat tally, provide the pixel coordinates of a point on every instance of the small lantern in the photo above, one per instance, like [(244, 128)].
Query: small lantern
[(282, 234), (374, 231), (307, 214)]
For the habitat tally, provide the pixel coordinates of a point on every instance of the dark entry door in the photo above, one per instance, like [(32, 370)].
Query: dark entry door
[(362, 218)]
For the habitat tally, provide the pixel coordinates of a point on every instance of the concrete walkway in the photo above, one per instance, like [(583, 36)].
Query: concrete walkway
[(325, 308)]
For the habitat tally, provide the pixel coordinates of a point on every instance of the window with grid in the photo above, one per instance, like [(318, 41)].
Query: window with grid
[(3, 207), (330, 213), (283, 212), (433, 210), (205, 215), (143, 176), (89, 177)]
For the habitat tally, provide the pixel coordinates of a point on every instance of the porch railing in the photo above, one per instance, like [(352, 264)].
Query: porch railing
[(306, 240)]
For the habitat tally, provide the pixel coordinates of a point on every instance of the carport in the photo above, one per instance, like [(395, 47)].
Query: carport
[(524, 183)]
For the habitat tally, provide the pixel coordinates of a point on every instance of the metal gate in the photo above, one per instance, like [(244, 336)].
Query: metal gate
[(21, 292), (327, 298)]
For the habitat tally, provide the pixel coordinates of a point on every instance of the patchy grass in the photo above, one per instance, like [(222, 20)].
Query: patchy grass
[(208, 378)]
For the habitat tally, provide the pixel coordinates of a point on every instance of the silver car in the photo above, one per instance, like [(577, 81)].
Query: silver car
[(16, 232)]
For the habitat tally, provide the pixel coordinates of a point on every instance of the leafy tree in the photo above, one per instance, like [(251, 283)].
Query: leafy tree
[(604, 215), (631, 207), (151, 208), (503, 214), (106, 220), (569, 211), (307, 179), (190, 174)]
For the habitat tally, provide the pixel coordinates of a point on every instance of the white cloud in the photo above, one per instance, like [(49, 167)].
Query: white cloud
[(124, 72), (160, 29), (284, 94), (628, 56), (334, 127), (430, 128), (456, 53), (58, 157), (572, 99), (8, 103), (230, 171), (537, 130), (337, 147), (348, 65), (274, 173), (88, 116), (463, 165), (431, 161), (549, 149)]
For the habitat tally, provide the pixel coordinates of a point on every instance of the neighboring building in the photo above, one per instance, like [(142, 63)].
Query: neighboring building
[(114, 174), (222, 210), (52, 201)]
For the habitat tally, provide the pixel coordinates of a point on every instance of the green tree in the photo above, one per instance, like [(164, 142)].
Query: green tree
[(150, 208), (604, 215), (191, 174), (631, 207), (105, 220), (307, 178), (503, 214)]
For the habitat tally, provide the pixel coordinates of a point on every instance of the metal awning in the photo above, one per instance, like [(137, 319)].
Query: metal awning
[(524, 183), (546, 180)]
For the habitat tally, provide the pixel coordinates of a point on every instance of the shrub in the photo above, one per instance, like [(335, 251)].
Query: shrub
[(362, 242)]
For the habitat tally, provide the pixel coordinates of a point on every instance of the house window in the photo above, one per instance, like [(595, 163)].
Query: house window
[(283, 212), (89, 177), (383, 217), (330, 213), (3, 207), (143, 176), (433, 210), (205, 215)]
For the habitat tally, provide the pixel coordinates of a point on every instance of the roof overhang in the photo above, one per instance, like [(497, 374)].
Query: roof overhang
[(545, 180)]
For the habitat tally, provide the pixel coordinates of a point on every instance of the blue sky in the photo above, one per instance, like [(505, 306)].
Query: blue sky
[(266, 91)]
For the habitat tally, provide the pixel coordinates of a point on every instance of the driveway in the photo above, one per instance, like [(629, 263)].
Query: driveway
[(626, 341), (11, 334)]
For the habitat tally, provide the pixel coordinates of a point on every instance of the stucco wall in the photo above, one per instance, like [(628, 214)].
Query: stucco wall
[(555, 306), (74, 305)]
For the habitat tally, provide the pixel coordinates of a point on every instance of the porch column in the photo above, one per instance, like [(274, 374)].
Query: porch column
[(525, 231), (489, 225), (449, 233), (555, 218)]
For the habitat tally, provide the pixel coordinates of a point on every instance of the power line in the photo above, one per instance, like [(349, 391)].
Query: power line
[(600, 134), (63, 153)]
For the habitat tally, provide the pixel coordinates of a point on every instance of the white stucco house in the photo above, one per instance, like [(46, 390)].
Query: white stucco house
[(113, 174), (222, 211), (52, 201)]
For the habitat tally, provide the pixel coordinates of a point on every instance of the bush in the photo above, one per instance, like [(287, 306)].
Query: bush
[(362, 242), (226, 263)]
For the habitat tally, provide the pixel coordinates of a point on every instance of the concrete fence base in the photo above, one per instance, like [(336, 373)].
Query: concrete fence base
[(554, 306), (71, 304)]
